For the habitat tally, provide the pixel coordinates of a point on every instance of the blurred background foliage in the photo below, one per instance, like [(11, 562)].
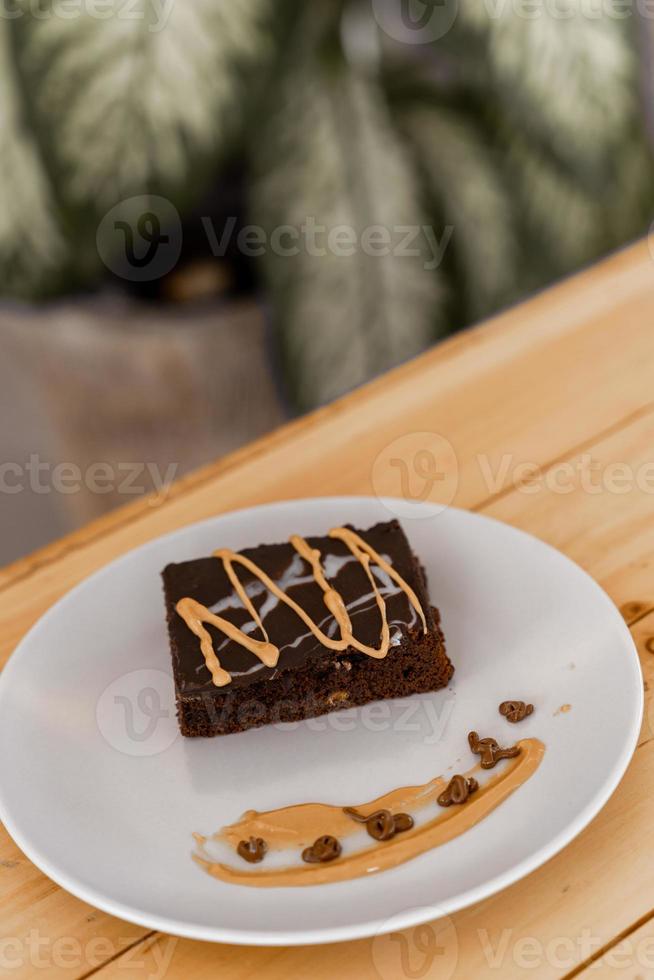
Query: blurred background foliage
[(525, 135)]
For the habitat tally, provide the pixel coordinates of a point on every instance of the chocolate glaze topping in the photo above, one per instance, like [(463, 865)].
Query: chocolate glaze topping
[(284, 639)]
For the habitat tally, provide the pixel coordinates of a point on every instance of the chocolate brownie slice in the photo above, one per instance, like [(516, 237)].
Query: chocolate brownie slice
[(309, 677)]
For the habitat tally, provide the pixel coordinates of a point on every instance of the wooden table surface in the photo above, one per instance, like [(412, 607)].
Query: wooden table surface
[(549, 409)]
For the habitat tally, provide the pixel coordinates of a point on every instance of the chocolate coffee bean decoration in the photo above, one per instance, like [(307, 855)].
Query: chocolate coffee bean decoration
[(457, 790), (325, 848), (515, 711), (382, 824), (489, 750), (252, 850), (403, 821)]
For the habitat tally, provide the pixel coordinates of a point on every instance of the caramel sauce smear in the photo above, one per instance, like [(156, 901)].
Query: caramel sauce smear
[(293, 828)]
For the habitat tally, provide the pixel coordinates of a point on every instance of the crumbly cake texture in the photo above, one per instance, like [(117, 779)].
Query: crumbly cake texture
[(309, 679)]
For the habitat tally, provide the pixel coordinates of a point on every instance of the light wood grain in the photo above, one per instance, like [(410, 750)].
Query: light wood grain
[(632, 958), (546, 383), (609, 530)]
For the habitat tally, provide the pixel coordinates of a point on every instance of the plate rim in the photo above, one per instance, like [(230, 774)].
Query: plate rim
[(372, 927)]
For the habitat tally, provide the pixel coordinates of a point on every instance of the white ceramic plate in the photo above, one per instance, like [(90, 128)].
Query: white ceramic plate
[(99, 790)]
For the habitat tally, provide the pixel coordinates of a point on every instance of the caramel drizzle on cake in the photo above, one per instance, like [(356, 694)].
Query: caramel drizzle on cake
[(197, 616)]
